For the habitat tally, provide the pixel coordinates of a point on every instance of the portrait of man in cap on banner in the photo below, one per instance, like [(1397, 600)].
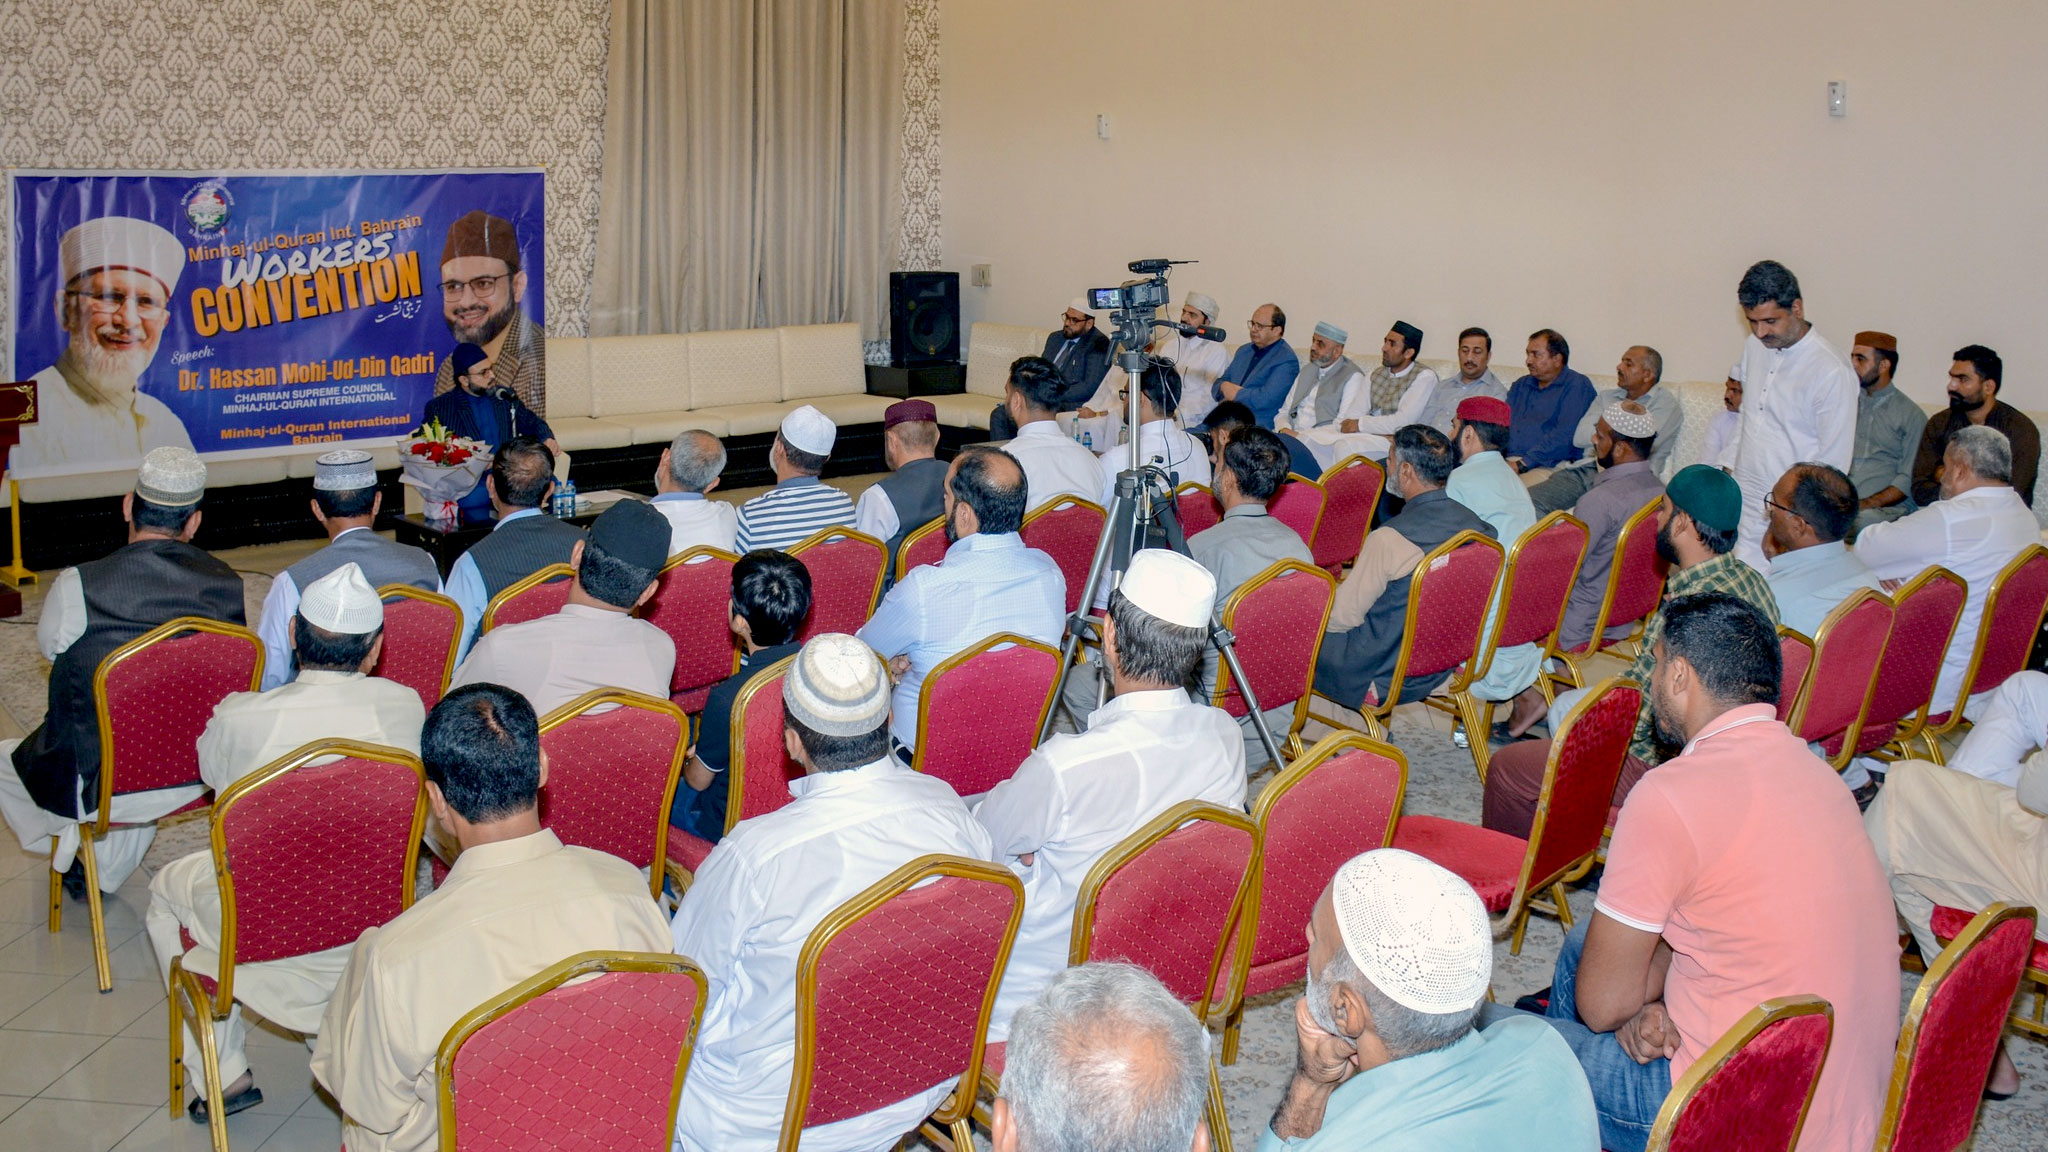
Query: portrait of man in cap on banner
[(483, 294)]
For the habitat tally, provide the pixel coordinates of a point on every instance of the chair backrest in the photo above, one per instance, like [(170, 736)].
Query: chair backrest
[(1166, 897), (1750, 1089), (616, 1043), (760, 770), (541, 594), (1066, 530), (1635, 581), (979, 711), (846, 578), (1447, 601), (692, 602), (926, 545), (1578, 782), (1846, 655), (1952, 1031), (1278, 618), (421, 630), (613, 760), (2012, 621), (895, 987), (1197, 508), (1351, 488), (1541, 568), (1795, 656), (1924, 616), (314, 848), (154, 695), (1299, 505)]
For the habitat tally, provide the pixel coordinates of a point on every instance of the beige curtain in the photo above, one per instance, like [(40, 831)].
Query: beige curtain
[(752, 157)]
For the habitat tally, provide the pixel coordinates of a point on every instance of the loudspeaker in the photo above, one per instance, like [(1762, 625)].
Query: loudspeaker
[(924, 318)]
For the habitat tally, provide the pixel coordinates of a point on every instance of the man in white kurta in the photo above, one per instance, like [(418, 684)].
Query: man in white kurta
[(1055, 464), (857, 815), (1396, 394), (333, 697), (1078, 796), (683, 480), (1161, 443), (1484, 482), (1200, 361), (1799, 399)]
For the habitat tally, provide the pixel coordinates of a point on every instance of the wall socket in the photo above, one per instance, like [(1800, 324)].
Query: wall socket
[(979, 276), (1838, 98), (1102, 127)]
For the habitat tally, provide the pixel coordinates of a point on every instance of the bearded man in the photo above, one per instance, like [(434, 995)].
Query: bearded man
[(482, 289)]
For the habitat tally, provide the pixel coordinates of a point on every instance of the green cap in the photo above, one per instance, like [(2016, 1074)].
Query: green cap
[(1708, 495)]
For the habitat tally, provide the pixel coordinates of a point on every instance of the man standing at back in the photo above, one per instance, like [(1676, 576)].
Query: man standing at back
[(524, 540), (909, 497), (800, 504), (1054, 464)]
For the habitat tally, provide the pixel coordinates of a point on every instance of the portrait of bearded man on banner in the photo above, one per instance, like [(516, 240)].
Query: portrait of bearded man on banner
[(115, 299), (482, 290)]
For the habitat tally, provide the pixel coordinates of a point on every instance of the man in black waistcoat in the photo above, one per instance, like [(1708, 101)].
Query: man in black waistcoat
[(525, 540), (913, 493), (1371, 607), (90, 610)]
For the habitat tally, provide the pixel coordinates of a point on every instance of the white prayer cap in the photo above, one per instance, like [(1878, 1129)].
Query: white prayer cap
[(837, 686), (1332, 333), (342, 602), (1628, 418), (809, 430), (171, 477), (121, 242), (1170, 586), (1414, 929), (343, 470), (1206, 305), (1080, 304)]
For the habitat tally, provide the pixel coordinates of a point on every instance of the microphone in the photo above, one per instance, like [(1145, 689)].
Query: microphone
[(502, 393), (1202, 330)]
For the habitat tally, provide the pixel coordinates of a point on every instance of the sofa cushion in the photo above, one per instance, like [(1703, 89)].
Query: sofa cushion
[(844, 410), (964, 410), (746, 419), (580, 433), (661, 427), (821, 360), (568, 377), (991, 348), (741, 367), (1700, 400), (634, 374)]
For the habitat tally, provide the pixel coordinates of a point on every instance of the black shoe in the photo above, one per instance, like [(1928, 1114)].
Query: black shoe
[(241, 1101), (1537, 1002), (74, 881)]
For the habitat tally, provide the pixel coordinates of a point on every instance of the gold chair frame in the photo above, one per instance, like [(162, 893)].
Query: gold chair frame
[(600, 697), (1371, 514), (2033, 984), (915, 536), (1901, 745), (391, 592), (1840, 761), (735, 768), (827, 535), (1290, 743), (547, 575), (1723, 1050), (1574, 674), (1931, 733), (988, 644)]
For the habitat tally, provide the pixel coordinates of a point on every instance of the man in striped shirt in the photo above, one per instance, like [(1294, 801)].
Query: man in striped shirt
[(800, 503)]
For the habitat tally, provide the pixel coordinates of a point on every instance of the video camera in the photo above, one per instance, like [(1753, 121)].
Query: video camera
[(1136, 295)]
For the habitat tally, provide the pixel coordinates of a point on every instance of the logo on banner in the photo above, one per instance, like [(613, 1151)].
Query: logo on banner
[(207, 208)]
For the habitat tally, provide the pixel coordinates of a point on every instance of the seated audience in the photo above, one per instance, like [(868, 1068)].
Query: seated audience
[(1624, 437), (1697, 539), (1737, 873), (515, 902), (90, 610), (771, 596), (1639, 376), (988, 582), (1400, 959), (337, 633), (345, 502), (1161, 444), (470, 409), (1975, 381), (907, 498), (1974, 530), (1484, 483), (594, 641), (1356, 664), (858, 815), (1153, 746), (1888, 429), (1721, 431), (1200, 362), (1105, 1058), (1547, 405), (1474, 378), (683, 480), (1079, 355), (522, 542), (1812, 509), (1328, 394), (1263, 369), (800, 504), (1054, 463), (1333, 418)]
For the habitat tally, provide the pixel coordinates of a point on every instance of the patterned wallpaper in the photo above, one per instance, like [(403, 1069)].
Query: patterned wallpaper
[(919, 250)]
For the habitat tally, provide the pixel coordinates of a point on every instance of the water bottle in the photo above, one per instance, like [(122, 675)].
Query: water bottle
[(565, 499), (1088, 440)]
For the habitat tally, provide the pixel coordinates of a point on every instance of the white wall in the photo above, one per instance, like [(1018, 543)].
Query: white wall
[(1604, 167)]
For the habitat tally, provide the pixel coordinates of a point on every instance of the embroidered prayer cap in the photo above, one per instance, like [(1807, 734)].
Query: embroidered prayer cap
[(837, 686), (171, 477), (908, 412), (1880, 340), (633, 531), (809, 430), (1414, 929), (1630, 418), (1332, 333), (1708, 495), (121, 242), (343, 602), (466, 357), (1170, 586), (343, 470), (1485, 410), (1409, 333), (1080, 304), (1206, 305), (479, 233)]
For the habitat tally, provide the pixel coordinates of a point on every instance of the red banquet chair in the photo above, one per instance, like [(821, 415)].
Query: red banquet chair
[(1751, 1088), (611, 1032), (909, 968), (1924, 616), (1351, 490), (1635, 585), (1278, 618), (1299, 504), (926, 545), (310, 851), (1795, 657), (693, 604), (1841, 673), (538, 595), (1949, 923), (760, 770), (1447, 599), (1196, 506), (613, 761), (2013, 610), (1066, 530), (979, 710), (846, 579), (1340, 799), (1571, 815), (153, 696), (421, 630), (1951, 1033)]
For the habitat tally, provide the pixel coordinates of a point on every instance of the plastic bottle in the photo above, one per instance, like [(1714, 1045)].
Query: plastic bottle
[(1088, 440)]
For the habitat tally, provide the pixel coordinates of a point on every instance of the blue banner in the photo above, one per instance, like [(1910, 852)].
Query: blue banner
[(244, 312)]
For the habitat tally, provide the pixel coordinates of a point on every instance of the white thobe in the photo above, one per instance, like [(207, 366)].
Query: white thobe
[(1798, 404), (1079, 795), (1375, 433), (1200, 362), (73, 435), (1160, 444), (1054, 464)]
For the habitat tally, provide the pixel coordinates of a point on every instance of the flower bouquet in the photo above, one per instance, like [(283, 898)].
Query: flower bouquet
[(443, 466)]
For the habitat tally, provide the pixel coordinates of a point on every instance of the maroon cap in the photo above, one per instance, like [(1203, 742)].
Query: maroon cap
[(1484, 410), (905, 411)]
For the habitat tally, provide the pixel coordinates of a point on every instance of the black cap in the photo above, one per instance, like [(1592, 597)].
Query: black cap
[(633, 531)]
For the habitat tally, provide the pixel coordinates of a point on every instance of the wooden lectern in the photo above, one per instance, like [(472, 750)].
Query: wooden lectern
[(17, 407)]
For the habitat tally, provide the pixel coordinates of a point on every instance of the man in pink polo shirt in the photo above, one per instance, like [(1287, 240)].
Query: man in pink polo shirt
[(1739, 871)]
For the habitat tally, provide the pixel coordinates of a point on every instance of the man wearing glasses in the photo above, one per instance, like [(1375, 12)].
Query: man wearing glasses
[(1263, 369), (482, 287), (118, 275)]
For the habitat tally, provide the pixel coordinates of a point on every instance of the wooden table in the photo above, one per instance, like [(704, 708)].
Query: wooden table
[(445, 540)]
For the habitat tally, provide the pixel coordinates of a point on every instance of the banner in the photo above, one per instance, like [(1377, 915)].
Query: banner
[(240, 313)]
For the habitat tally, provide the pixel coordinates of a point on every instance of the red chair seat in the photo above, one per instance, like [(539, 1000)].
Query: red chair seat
[(1949, 922), (687, 850), (1489, 861)]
